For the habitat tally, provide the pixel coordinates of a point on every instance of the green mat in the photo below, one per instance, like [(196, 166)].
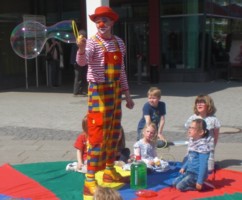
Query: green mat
[(52, 175)]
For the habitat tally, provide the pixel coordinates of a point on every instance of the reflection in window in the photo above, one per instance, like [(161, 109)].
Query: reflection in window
[(217, 7), (169, 7), (177, 7), (235, 8)]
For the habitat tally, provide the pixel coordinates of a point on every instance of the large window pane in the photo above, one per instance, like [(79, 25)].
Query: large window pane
[(172, 42), (218, 39), (235, 8), (177, 7), (217, 7), (180, 41)]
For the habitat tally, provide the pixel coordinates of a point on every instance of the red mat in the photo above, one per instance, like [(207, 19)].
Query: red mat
[(226, 182), (17, 185)]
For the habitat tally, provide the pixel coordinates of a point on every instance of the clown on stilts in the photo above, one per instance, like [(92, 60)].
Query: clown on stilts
[(104, 54)]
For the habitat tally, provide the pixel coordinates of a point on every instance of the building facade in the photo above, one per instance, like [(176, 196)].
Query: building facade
[(167, 40)]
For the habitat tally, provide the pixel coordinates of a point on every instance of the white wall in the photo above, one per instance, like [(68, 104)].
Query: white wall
[(91, 5)]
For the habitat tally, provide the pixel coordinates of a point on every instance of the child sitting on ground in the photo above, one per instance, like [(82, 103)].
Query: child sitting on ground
[(81, 150), (146, 147), (194, 170)]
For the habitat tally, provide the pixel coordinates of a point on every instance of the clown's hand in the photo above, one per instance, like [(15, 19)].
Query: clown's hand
[(130, 103), (81, 42), (129, 100), (80, 39)]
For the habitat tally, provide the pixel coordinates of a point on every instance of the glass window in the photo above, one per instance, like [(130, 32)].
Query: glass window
[(181, 34), (217, 7), (135, 34), (235, 8), (71, 9), (169, 7), (218, 40), (236, 26), (180, 41), (72, 5), (132, 11), (186, 44), (13, 10), (176, 7), (51, 6)]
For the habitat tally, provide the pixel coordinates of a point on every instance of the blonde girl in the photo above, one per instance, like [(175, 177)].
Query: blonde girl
[(147, 145)]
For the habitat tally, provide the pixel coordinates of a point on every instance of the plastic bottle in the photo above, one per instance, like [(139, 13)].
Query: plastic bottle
[(138, 178), (137, 153)]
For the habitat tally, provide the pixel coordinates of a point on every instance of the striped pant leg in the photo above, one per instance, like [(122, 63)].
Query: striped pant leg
[(115, 125)]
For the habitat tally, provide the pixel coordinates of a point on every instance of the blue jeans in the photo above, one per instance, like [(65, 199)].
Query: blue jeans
[(186, 181)]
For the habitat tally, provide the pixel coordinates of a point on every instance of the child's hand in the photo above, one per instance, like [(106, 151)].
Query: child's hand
[(79, 166), (161, 137), (198, 186), (152, 163), (182, 171)]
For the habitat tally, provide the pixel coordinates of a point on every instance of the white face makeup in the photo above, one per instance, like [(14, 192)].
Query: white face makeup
[(104, 25)]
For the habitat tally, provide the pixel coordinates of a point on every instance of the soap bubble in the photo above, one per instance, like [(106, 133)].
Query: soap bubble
[(29, 38)]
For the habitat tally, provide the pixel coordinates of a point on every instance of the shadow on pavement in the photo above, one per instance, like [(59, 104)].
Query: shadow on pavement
[(228, 163), (182, 89)]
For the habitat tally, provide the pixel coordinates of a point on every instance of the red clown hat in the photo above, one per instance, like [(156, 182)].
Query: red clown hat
[(104, 11)]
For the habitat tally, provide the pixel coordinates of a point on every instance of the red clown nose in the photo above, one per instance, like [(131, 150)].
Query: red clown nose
[(101, 24)]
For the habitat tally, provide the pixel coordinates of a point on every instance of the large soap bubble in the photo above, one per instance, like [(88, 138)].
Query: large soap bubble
[(28, 38)]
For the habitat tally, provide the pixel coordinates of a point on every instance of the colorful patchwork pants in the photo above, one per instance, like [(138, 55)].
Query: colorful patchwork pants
[(104, 123)]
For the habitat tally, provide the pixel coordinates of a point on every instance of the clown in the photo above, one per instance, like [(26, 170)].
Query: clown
[(104, 54)]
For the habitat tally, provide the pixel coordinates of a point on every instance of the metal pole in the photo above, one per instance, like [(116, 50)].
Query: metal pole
[(37, 72), (26, 64), (47, 73), (26, 74)]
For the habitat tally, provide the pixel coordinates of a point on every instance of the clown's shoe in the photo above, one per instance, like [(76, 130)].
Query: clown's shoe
[(111, 176), (89, 188)]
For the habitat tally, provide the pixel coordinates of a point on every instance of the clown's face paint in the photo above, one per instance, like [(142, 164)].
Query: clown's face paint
[(104, 25)]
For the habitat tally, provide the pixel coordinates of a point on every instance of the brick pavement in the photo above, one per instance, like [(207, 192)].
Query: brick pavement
[(41, 124)]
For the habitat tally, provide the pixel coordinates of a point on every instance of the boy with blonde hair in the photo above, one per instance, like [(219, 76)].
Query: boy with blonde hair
[(153, 111)]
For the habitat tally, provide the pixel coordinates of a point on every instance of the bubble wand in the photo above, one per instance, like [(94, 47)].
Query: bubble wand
[(76, 33), (75, 29)]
